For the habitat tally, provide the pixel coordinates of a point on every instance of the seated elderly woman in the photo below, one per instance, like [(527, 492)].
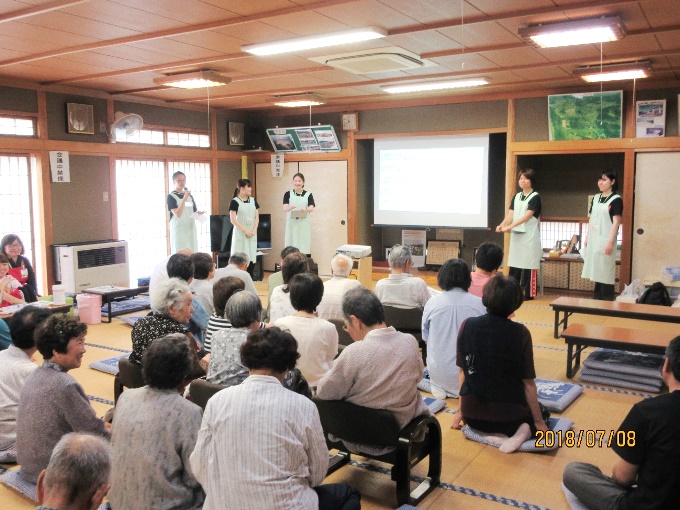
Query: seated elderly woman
[(442, 318), (171, 300), (279, 303), (379, 370), (400, 288), (497, 389), (10, 293), (222, 290), (154, 432), (244, 311), (52, 403), (317, 338)]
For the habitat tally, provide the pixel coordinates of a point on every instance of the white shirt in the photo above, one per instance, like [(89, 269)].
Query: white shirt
[(160, 274), (333, 291), (204, 292), (279, 304), (261, 446), (232, 270), (403, 291), (317, 344), (15, 367)]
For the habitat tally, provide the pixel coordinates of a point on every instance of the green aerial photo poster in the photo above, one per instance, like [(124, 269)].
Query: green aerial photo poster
[(588, 116)]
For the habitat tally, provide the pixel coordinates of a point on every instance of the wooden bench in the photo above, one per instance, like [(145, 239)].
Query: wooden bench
[(569, 305), (580, 336)]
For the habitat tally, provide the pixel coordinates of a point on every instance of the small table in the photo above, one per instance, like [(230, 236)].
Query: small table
[(109, 293), (51, 307)]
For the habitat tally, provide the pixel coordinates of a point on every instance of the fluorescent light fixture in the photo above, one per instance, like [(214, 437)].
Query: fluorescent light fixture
[(193, 80), (571, 33), (296, 100), (316, 41), (614, 72), (435, 85)]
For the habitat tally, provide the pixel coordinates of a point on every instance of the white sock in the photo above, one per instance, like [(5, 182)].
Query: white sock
[(512, 444)]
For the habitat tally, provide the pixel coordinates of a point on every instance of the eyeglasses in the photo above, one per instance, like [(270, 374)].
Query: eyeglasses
[(345, 326)]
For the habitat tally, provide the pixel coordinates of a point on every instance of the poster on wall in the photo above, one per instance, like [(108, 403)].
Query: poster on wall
[(650, 118), (590, 116), (304, 139), (416, 240), (60, 166)]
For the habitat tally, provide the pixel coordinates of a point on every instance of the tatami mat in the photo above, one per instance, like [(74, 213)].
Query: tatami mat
[(474, 476)]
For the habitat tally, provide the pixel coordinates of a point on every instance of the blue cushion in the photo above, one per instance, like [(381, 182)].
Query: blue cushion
[(634, 363), (574, 502), (8, 456), (108, 365), (621, 383), (557, 395), (14, 480), (558, 425), (434, 404)]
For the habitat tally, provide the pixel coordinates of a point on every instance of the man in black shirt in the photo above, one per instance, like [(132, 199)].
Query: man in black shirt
[(648, 444)]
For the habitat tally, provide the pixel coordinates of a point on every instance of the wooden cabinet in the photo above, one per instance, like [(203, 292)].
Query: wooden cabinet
[(565, 273)]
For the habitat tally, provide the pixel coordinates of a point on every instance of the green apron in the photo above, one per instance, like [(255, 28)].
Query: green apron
[(246, 217), (525, 239), (598, 266), (299, 231), (183, 230)]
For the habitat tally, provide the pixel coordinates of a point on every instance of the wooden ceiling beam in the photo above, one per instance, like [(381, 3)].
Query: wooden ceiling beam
[(39, 9)]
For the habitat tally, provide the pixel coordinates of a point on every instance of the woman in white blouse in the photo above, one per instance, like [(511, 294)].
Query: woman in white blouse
[(279, 302), (317, 338)]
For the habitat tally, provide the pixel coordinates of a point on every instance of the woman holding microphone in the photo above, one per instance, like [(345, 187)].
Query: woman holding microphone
[(245, 218), (182, 224), (298, 204), (522, 221)]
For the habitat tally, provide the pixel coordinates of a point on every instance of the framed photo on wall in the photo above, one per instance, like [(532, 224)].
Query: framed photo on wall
[(590, 116), (80, 118), (237, 133)]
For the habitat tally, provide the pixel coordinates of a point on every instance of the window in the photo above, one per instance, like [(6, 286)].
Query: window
[(188, 139), (17, 126), (163, 137), (150, 136)]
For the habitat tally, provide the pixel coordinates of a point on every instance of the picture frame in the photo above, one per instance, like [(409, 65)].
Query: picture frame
[(80, 118), (237, 133), (570, 116)]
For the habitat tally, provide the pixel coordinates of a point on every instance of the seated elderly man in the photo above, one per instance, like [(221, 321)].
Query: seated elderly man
[(646, 474), (52, 403), (154, 432), (379, 370), (238, 263), (182, 267), (77, 475), (172, 302), (243, 310), (261, 446), (335, 288), (401, 289), (15, 367)]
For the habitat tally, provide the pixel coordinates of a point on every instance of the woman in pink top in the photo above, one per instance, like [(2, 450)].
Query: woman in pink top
[(488, 259)]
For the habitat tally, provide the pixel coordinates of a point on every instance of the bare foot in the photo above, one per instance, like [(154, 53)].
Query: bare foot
[(512, 444)]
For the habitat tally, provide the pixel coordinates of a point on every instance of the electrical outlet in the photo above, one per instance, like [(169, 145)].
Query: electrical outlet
[(106, 196)]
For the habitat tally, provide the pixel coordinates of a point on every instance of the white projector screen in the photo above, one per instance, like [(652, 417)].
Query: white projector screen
[(431, 181)]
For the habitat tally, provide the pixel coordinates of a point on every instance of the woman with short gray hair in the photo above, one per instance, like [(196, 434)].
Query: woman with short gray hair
[(400, 289), (171, 301), (244, 312)]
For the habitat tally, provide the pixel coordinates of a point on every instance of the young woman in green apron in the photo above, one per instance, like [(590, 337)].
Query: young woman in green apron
[(298, 204), (182, 224), (245, 218), (522, 221), (600, 244)]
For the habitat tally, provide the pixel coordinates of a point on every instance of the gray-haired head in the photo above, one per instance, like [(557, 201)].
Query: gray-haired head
[(341, 265), (167, 293), (399, 256), (79, 465), (243, 308), (239, 259), (364, 305)]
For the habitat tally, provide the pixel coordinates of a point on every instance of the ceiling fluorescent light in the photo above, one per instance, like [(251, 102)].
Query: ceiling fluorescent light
[(614, 72), (296, 100), (316, 41), (193, 80), (438, 85), (571, 33)]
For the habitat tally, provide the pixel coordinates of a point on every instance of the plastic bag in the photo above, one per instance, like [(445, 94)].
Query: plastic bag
[(634, 290)]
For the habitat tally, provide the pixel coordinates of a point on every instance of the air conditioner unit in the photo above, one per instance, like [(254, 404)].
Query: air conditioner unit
[(80, 266)]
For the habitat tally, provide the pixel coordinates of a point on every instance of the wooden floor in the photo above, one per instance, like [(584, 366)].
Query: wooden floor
[(474, 476)]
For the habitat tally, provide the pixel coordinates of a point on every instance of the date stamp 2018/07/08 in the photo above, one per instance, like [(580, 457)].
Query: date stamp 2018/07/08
[(587, 438)]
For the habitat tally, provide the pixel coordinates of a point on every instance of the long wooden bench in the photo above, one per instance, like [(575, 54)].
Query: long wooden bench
[(580, 336), (570, 305)]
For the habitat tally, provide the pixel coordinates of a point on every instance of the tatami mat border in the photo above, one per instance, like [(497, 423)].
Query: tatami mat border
[(107, 347)]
